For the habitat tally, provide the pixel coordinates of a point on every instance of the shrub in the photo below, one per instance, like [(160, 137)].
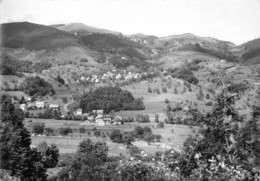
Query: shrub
[(96, 132), (38, 128), (160, 125), (83, 60), (156, 118), (164, 89), (40, 66), (238, 87), (60, 80), (116, 136), (141, 118), (185, 74), (49, 131), (167, 101), (209, 103), (149, 90), (50, 154), (36, 86), (82, 130), (65, 131)]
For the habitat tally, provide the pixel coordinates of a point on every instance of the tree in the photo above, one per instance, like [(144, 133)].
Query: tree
[(110, 99), (38, 128), (88, 163), (16, 154), (36, 86), (116, 136), (65, 131), (50, 154), (223, 141)]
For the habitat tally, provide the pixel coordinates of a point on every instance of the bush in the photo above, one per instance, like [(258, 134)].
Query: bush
[(160, 125), (209, 103), (96, 132), (60, 80), (167, 101), (36, 86), (164, 90), (50, 154), (141, 118), (40, 66), (49, 131), (38, 128), (116, 136), (185, 74), (82, 130), (65, 131)]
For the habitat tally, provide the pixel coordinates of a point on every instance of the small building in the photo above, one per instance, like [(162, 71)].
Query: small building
[(117, 120), (54, 106), (23, 107), (99, 121), (31, 105), (78, 112), (100, 112), (39, 104)]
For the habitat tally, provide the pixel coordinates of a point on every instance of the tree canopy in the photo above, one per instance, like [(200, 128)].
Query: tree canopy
[(110, 98)]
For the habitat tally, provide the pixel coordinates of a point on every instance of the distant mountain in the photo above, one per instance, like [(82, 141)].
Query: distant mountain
[(47, 43), (34, 36), (82, 29), (190, 42), (106, 46)]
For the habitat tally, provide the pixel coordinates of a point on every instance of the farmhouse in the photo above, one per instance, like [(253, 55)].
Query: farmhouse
[(40, 104), (78, 112), (99, 121), (23, 107), (117, 120), (54, 106)]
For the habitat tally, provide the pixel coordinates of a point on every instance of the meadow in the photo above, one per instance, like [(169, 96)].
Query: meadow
[(172, 136)]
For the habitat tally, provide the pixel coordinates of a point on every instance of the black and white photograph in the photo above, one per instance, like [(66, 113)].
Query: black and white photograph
[(129, 90)]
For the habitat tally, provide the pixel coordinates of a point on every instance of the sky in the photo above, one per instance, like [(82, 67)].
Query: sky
[(237, 21)]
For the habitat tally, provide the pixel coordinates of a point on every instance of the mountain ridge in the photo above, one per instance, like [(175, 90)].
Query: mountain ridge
[(36, 36)]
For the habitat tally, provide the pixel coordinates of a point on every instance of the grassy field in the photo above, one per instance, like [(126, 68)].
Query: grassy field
[(173, 136)]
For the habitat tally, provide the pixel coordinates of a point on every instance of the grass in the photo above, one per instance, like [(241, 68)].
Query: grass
[(173, 136)]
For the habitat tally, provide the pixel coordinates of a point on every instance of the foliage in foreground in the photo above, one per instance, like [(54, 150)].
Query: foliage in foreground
[(16, 153)]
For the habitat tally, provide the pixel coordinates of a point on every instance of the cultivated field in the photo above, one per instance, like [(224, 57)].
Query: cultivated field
[(173, 136)]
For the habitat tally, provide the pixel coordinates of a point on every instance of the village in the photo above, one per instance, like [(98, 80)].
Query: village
[(94, 118), (114, 76)]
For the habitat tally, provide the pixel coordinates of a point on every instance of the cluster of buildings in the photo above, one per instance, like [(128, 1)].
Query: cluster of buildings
[(30, 105), (98, 118), (112, 75)]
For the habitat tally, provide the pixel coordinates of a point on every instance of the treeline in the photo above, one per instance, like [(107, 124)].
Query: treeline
[(17, 155), (36, 86), (13, 66), (110, 99)]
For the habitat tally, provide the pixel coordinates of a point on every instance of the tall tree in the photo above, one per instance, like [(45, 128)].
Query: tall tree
[(16, 154)]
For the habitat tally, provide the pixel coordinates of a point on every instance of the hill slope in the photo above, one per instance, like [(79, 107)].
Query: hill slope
[(250, 52), (82, 29), (34, 36)]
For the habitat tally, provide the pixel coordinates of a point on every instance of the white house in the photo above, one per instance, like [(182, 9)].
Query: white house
[(100, 112), (23, 107), (99, 121), (40, 104), (54, 106), (117, 120), (78, 112)]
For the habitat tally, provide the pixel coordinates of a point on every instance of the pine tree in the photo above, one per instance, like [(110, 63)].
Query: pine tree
[(16, 155)]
